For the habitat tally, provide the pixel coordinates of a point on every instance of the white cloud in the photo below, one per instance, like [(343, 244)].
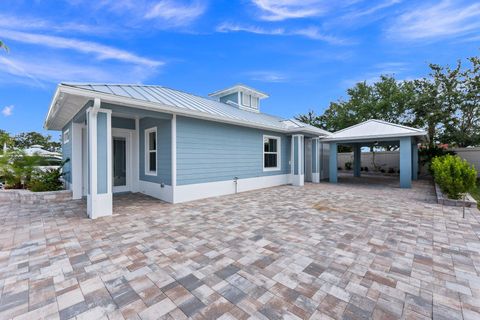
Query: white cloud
[(43, 70), (277, 10), (101, 52), (267, 76), (7, 111), (313, 33), (27, 23), (175, 13), (371, 10), (433, 22)]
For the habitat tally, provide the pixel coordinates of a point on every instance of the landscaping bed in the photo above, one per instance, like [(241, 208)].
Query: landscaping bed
[(446, 201)]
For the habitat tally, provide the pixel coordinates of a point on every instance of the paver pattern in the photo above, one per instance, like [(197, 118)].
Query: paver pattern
[(346, 251)]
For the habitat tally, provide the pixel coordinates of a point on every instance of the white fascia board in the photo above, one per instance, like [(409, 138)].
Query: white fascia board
[(151, 106), (50, 109), (379, 137)]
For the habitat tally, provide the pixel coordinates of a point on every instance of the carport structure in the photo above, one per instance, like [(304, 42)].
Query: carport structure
[(378, 133)]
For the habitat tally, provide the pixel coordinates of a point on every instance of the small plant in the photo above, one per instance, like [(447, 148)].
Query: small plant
[(382, 170), (348, 165), (339, 168), (391, 170), (49, 180), (365, 169), (17, 168), (454, 175)]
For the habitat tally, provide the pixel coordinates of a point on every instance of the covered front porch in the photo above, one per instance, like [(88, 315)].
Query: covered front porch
[(113, 149)]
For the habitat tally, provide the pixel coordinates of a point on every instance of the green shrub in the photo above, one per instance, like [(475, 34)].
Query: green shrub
[(454, 175), (49, 180), (17, 168), (348, 166)]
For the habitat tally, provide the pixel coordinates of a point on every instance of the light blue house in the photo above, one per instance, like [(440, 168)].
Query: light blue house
[(178, 147)]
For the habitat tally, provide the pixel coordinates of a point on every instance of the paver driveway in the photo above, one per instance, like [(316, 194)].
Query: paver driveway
[(322, 251)]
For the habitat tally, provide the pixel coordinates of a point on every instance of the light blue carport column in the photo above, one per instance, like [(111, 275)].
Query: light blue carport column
[(414, 160), (357, 159), (333, 163), (405, 162)]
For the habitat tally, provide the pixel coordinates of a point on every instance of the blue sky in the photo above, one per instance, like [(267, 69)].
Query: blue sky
[(303, 53)]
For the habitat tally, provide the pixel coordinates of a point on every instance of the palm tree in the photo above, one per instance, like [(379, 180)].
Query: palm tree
[(3, 46)]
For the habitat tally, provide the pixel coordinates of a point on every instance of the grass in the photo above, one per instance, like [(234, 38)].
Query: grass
[(476, 193)]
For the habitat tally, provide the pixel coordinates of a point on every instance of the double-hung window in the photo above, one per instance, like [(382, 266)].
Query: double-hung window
[(66, 136), (151, 151), (271, 153)]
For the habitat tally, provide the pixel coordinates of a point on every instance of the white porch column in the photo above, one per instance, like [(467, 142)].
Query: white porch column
[(76, 161), (99, 126), (298, 163), (315, 160)]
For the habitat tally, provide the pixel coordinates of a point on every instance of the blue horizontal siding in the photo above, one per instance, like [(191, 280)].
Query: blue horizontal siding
[(164, 150), (123, 123), (210, 151)]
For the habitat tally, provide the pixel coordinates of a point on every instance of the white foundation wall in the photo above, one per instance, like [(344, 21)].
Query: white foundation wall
[(191, 192)]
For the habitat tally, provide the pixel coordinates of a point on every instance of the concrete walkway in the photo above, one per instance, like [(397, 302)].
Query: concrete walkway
[(345, 251)]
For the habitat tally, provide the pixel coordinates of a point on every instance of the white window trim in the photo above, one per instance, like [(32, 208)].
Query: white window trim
[(66, 133), (279, 153), (147, 151)]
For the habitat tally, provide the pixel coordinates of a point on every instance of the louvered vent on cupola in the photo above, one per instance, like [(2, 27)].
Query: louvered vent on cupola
[(240, 96)]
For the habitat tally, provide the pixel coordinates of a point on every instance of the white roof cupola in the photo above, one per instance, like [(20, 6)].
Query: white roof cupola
[(240, 96)]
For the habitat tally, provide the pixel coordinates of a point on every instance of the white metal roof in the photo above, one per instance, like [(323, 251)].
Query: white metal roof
[(169, 100), (375, 129)]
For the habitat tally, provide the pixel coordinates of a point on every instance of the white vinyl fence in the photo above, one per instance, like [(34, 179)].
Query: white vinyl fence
[(387, 160)]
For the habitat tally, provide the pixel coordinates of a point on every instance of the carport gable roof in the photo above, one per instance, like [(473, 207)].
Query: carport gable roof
[(374, 130)]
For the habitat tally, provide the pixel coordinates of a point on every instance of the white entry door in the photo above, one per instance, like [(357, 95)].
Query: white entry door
[(122, 160)]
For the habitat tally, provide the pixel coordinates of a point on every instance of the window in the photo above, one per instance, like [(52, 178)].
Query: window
[(271, 153), (254, 102), (66, 136), (151, 151), (246, 100)]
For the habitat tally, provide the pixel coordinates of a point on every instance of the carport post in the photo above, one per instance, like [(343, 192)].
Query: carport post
[(357, 159), (414, 161), (333, 163), (405, 162)]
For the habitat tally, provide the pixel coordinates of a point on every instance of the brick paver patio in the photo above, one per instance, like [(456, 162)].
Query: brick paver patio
[(346, 251)]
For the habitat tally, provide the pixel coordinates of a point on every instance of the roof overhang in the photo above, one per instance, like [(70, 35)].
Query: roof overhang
[(420, 135), (68, 101)]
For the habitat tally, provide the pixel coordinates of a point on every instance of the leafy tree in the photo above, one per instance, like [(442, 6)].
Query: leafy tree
[(446, 103), (463, 129), (386, 100), (436, 100), (310, 118), (27, 139)]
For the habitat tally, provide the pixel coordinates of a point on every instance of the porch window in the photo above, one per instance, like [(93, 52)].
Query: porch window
[(271, 153), (66, 136), (151, 151)]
